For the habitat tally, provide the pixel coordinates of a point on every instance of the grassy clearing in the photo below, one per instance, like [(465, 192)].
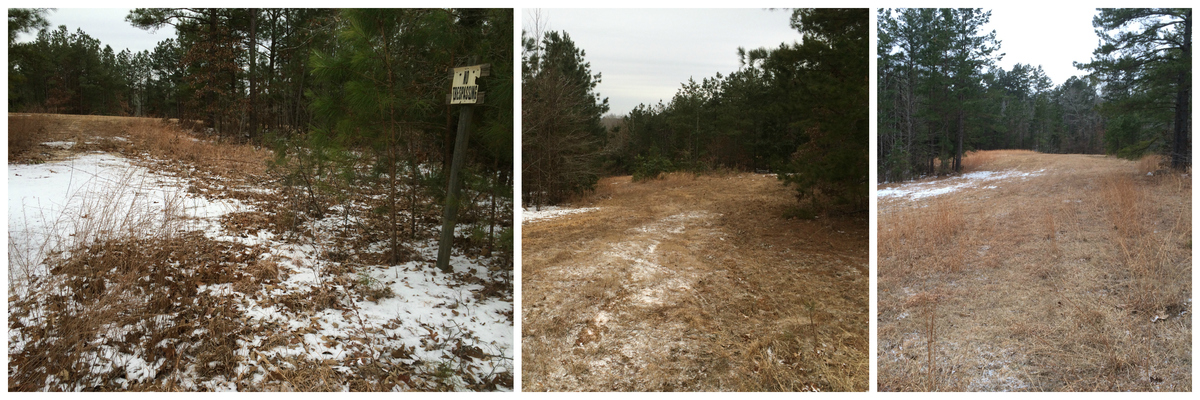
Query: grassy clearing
[(690, 283), (143, 301), (1074, 279)]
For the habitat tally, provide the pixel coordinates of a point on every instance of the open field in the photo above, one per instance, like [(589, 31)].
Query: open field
[(1037, 272), (143, 256), (693, 284)]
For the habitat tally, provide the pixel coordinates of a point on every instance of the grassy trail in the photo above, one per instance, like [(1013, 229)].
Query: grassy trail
[(694, 283), (1054, 273)]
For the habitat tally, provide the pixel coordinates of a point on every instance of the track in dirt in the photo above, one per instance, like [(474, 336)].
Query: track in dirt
[(1037, 272), (694, 283)]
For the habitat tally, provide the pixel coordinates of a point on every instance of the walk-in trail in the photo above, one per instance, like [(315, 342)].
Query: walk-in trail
[(693, 283)]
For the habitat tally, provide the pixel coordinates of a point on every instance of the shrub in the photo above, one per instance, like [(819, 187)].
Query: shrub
[(650, 167)]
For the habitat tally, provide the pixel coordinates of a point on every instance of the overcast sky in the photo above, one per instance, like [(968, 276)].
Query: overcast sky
[(1053, 37), (106, 25), (645, 55)]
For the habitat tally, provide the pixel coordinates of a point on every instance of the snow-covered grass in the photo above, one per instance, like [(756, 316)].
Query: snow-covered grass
[(59, 145), (115, 293), (549, 212), (979, 179), (53, 207)]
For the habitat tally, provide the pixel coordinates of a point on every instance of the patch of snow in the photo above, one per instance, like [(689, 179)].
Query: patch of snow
[(54, 205), (920, 190), (59, 145), (430, 314), (528, 215)]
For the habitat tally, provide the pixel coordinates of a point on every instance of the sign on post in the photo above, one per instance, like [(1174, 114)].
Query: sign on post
[(463, 89)]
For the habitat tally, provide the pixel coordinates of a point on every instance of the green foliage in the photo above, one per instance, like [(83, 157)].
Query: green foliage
[(651, 167), (832, 93), (742, 120), (560, 117), (1145, 62), (936, 75), (25, 20), (798, 109), (72, 73), (1134, 151), (379, 95)]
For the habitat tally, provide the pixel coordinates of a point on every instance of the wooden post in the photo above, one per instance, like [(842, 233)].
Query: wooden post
[(450, 212)]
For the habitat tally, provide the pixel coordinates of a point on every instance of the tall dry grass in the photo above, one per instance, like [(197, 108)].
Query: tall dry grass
[(97, 270), (115, 272), (167, 141), (1075, 279), (102, 208), (1152, 163), (1144, 239), (979, 160), (907, 237), (25, 131), (137, 138)]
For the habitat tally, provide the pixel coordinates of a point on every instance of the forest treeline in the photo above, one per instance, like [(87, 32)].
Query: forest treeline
[(800, 110), (349, 98), (941, 92)]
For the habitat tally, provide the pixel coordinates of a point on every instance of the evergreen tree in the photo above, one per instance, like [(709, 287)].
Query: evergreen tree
[(561, 130), (830, 91), (1145, 61), (933, 64)]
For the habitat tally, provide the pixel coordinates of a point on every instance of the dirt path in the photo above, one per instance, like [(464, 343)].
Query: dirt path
[(1037, 273), (694, 284)]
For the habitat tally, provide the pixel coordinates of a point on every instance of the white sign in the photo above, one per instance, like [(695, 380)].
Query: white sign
[(464, 90)]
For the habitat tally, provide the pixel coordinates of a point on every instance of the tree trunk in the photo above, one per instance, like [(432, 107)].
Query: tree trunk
[(253, 81), (958, 147), (450, 213), (1182, 155), (272, 108)]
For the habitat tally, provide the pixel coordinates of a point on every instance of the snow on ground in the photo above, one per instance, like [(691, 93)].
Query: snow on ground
[(549, 212), (59, 145), (79, 198), (920, 190), (434, 315)]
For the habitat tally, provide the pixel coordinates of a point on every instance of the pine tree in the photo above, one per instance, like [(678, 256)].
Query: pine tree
[(830, 90), (1145, 60), (560, 115)]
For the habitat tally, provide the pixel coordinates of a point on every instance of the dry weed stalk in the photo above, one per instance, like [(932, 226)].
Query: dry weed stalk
[(927, 302), (1051, 225)]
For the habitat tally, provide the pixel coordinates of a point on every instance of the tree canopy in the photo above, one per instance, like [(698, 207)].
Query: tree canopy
[(1144, 61), (560, 119), (941, 91)]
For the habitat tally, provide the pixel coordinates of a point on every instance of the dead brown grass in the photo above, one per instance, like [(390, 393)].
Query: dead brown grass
[(144, 286), (1152, 163), (1077, 279), (147, 139), (25, 131), (690, 283), (977, 160), (129, 284)]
